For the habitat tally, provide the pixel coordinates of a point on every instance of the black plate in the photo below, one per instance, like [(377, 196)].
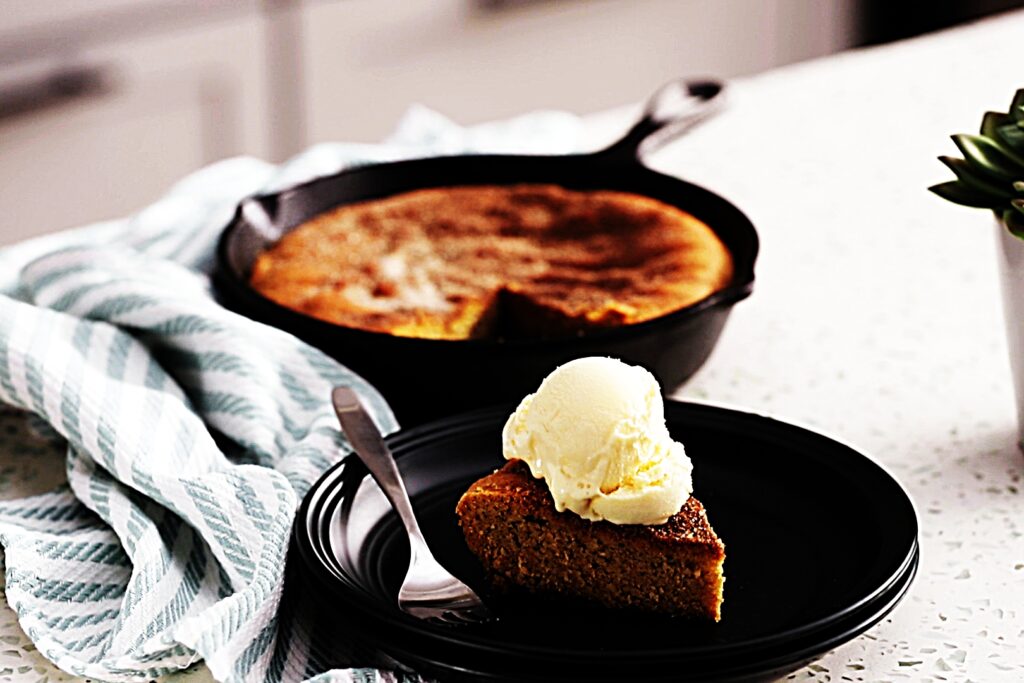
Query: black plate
[(821, 543), (409, 371)]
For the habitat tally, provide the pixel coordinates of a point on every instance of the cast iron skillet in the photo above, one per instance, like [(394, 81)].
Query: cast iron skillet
[(427, 378)]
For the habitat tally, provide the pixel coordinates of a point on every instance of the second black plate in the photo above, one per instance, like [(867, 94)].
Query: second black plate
[(821, 543)]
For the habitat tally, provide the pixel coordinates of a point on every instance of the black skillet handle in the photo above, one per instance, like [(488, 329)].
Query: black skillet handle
[(672, 110)]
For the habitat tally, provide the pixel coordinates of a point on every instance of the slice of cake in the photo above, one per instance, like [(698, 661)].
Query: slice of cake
[(595, 501), (511, 525)]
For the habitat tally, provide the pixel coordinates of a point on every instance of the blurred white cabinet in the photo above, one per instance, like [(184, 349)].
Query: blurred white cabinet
[(171, 102), (476, 60), (192, 81)]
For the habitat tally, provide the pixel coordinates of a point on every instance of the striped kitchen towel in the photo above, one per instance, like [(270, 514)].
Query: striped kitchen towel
[(191, 432)]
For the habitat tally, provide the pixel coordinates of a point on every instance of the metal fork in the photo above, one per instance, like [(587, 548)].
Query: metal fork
[(429, 591)]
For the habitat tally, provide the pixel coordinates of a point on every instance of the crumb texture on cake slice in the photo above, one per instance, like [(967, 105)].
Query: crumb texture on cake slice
[(510, 523)]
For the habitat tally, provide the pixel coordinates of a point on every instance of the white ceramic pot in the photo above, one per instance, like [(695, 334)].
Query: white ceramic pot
[(1011, 268)]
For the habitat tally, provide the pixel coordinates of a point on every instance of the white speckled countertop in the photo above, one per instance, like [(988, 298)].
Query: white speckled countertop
[(875, 318)]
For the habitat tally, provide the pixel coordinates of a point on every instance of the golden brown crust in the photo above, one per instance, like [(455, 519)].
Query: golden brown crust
[(439, 262), (510, 523)]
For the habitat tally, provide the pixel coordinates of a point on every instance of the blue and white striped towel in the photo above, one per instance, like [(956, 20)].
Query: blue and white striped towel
[(192, 432)]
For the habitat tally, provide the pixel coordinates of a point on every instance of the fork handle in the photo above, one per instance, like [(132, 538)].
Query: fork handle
[(369, 446)]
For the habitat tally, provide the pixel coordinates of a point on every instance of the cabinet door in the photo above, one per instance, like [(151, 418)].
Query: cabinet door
[(477, 60), (172, 102), (96, 158)]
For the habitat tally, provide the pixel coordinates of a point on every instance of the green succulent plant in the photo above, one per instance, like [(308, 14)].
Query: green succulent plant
[(991, 174)]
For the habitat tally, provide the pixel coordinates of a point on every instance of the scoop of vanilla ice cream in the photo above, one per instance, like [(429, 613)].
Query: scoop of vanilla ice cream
[(595, 432)]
